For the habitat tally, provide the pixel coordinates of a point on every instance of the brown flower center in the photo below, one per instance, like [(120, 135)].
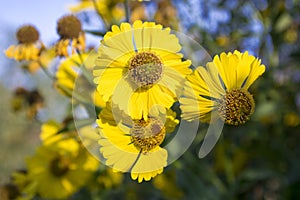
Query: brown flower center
[(69, 27), (236, 106), (145, 69), (27, 34), (59, 166), (146, 135)]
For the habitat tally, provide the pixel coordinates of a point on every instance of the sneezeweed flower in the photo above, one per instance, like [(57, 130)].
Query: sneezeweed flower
[(109, 179), (222, 86), (59, 169), (166, 14), (111, 11), (134, 145), (166, 183), (31, 101), (51, 131), (74, 72), (69, 29), (9, 191), (137, 11), (67, 72), (29, 47), (145, 57), (291, 119), (43, 61), (21, 181)]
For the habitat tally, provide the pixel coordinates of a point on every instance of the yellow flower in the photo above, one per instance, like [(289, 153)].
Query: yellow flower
[(291, 119), (133, 145), (82, 5), (69, 29), (52, 131), (166, 183), (222, 86), (137, 11), (32, 101), (109, 179), (29, 47), (43, 60), (166, 14), (21, 180), (59, 169), (68, 73), (140, 62), (111, 11)]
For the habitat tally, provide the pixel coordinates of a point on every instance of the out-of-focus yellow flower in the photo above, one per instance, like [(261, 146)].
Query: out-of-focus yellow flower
[(291, 35), (111, 11), (43, 60), (146, 58), (133, 145), (9, 191), (166, 183), (222, 41), (109, 179), (21, 180), (50, 132), (82, 5), (59, 169), (68, 73), (223, 86), (29, 47), (32, 101), (171, 121), (291, 119), (137, 11), (166, 14), (69, 29)]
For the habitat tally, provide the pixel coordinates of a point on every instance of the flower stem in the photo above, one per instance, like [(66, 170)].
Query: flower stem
[(43, 67), (126, 6)]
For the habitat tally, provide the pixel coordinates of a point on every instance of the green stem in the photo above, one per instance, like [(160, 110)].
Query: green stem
[(44, 68), (126, 6)]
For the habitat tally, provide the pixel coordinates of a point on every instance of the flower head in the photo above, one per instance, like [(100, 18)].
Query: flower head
[(223, 86), (32, 101), (74, 75), (69, 29), (134, 145), (60, 166), (110, 10), (29, 47), (141, 62)]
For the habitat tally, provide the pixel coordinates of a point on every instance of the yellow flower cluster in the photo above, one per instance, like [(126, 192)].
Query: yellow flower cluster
[(60, 166), (135, 80), (140, 71)]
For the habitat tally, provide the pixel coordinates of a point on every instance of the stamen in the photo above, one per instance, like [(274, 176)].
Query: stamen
[(145, 69), (236, 107), (146, 135)]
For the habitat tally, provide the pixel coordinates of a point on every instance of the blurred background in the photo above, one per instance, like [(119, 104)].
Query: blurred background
[(258, 160)]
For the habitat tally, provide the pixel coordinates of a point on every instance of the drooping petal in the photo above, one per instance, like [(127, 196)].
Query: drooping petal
[(149, 165)]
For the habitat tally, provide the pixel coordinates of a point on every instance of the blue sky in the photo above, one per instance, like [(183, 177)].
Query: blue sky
[(42, 13), (15, 13)]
